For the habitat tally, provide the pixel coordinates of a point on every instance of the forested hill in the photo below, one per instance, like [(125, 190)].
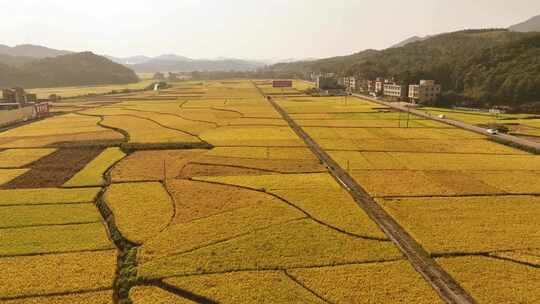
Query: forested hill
[(67, 70), (483, 66)]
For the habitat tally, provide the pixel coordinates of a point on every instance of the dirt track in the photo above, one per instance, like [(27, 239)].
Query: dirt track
[(447, 288)]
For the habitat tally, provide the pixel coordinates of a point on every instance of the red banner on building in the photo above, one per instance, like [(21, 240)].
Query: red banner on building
[(42, 108), (282, 83)]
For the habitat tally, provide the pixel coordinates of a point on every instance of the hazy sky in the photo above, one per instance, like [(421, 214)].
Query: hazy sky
[(244, 28)]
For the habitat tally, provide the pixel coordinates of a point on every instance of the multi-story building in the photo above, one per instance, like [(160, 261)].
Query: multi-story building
[(362, 85), (349, 83), (371, 86), (426, 92), (395, 91), (379, 86), (8, 96)]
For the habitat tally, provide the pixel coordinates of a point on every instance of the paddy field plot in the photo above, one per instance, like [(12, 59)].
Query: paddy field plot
[(92, 173), (84, 90), (469, 224), (55, 169), (45, 196), (17, 158), (492, 280), (82, 130), (141, 210), (101, 297), (43, 275)]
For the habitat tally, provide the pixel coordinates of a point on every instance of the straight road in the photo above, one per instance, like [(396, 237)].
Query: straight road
[(447, 288), (501, 138)]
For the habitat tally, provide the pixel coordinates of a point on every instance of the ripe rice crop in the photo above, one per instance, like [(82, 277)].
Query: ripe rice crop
[(98, 297), (273, 165), (258, 121), (7, 175), (490, 280), (262, 152), (56, 126), (141, 210), (366, 160), (459, 224), (53, 130), (83, 90), (514, 182), (358, 123), (420, 183), (53, 239), (466, 146), (151, 114), (155, 295), (302, 243), (389, 282), (45, 196), (149, 165), (32, 215), (264, 136), (196, 200), (424, 133), (530, 257), (318, 133), (17, 158), (101, 137), (420, 161), (145, 131), (199, 169), (278, 182), (92, 174), (57, 273), (183, 237), (334, 207), (247, 287)]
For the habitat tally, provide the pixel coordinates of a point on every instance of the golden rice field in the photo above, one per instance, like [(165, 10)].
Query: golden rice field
[(203, 191), (84, 90), (522, 125), (455, 192)]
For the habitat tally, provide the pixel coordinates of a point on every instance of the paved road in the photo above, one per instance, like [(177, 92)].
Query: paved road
[(502, 138), (448, 289)]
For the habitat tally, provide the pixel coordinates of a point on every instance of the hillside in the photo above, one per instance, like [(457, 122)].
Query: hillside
[(67, 70), (531, 25), (409, 40), (33, 51), (15, 60), (483, 66)]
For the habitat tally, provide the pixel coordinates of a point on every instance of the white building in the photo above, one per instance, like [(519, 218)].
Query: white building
[(395, 91), (349, 83), (426, 92)]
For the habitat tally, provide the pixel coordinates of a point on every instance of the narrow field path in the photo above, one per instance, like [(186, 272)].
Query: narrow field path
[(446, 286)]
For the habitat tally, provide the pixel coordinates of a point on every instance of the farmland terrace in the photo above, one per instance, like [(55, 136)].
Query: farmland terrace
[(208, 192)]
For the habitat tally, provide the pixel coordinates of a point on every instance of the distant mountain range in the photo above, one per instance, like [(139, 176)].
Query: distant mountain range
[(176, 63), (531, 25), (143, 64)]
